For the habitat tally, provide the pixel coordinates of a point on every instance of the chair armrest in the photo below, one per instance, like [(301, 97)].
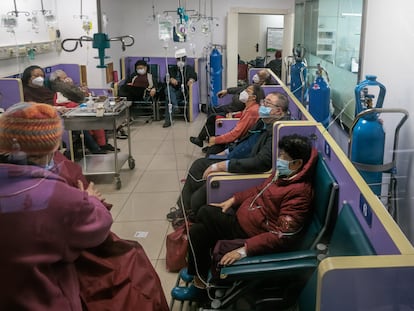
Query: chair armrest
[(222, 185), (270, 269), (276, 257), (224, 125)]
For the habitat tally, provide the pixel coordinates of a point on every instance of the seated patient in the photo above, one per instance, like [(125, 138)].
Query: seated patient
[(229, 110), (67, 94), (47, 222), (34, 89), (269, 217), (251, 154), (251, 96), (181, 77), (140, 84), (128, 273)]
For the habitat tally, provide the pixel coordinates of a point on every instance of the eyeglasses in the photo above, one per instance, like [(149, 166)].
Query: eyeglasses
[(268, 103)]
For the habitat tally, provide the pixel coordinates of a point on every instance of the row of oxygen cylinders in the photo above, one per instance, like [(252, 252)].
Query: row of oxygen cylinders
[(368, 136)]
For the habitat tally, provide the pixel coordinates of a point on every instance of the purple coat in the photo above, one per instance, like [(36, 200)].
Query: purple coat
[(44, 225)]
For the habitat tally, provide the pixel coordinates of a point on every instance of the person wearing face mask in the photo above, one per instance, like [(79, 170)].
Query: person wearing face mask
[(34, 90), (230, 110), (69, 95), (262, 77), (47, 222), (264, 219), (179, 80), (249, 115), (140, 84), (251, 154), (251, 96)]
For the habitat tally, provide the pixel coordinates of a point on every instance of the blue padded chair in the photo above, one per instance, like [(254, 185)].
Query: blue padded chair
[(278, 278), (348, 239)]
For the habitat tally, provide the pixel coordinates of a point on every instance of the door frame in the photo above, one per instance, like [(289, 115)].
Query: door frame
[(232, 41)]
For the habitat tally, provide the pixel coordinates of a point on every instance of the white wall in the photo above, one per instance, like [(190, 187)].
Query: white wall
[(388, 55), (252, 30), (131, 17)]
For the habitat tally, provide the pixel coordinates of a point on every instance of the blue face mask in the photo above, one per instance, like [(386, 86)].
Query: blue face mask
[(264, 112), (282, 167)]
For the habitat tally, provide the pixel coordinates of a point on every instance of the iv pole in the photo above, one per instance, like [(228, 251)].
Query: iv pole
[(100, 40)]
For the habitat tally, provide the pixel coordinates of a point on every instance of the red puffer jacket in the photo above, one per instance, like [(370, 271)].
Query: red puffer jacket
[(278, 213)]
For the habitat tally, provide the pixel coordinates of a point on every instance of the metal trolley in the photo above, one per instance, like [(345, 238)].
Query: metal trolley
[(107, 115)]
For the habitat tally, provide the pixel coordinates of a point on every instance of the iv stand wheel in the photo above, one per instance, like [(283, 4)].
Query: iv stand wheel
[(118, 183), (131, 163)]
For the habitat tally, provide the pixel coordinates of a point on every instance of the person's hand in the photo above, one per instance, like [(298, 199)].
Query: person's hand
[(224, 205), (229, 258), (222, 93), (190, 82), (215, 167), (68, 80), (130, 84), (211, 141), (91, 190), (152, 92), (229, 115), (173, 81)]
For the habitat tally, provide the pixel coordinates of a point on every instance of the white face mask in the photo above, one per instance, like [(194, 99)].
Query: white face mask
[(141, 71), (38, 81), (180, 64), (244, 96), (256, 78)]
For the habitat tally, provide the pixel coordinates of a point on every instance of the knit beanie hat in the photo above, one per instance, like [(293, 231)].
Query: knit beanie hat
[(36, 128)]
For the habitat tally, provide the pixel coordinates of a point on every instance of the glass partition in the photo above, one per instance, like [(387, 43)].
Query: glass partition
[(330, 31)]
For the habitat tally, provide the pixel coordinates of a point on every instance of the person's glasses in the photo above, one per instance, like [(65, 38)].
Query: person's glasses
[(268, 103)]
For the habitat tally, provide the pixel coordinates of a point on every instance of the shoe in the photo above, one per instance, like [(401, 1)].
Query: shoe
[(205, 149), (174, 214), (185, 276), (191, 293), (196, 141), (98, 151), (109, 147), (121, 134), (166, 124)]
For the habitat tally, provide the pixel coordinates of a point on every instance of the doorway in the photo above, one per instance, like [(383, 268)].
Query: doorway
[(234, 27), (255, 40)]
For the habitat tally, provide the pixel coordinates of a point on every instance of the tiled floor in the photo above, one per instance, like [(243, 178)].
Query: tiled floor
[(162, 157)]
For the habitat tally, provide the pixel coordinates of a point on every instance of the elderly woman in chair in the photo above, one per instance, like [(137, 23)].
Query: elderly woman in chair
[(267, 218)]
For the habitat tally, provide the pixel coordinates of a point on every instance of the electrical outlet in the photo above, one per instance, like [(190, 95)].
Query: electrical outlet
[(22, 51)]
